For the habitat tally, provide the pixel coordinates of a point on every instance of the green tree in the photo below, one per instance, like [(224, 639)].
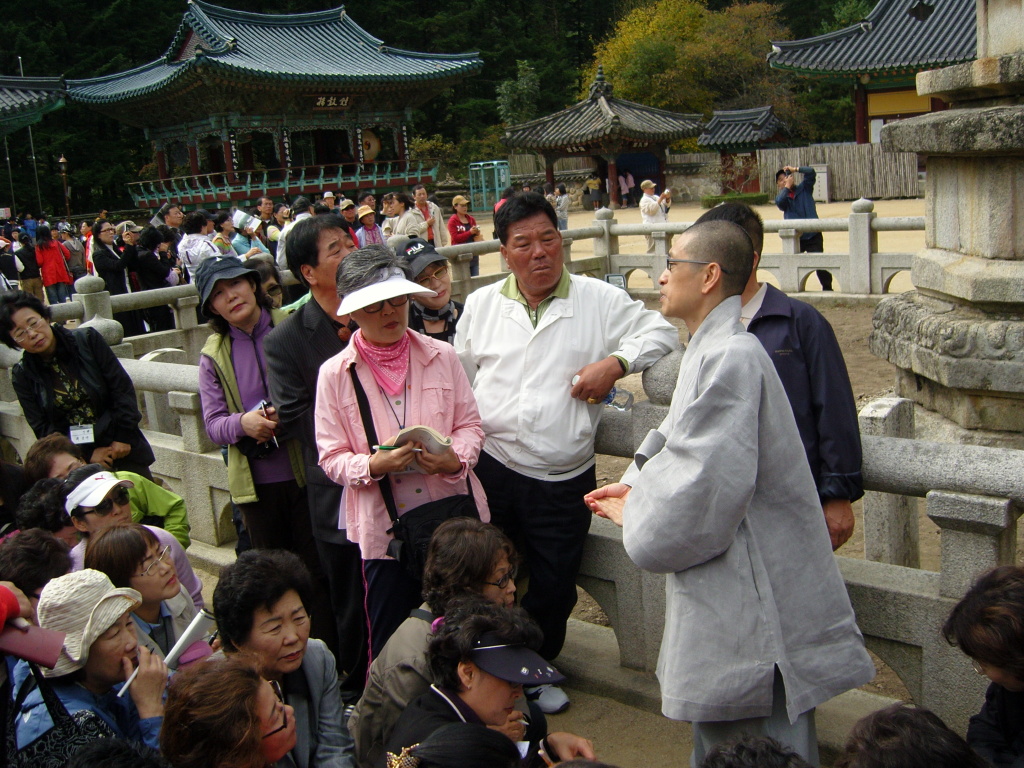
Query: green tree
[(517, 99)]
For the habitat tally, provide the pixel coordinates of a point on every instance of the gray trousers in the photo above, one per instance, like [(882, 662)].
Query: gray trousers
[(800, 736)]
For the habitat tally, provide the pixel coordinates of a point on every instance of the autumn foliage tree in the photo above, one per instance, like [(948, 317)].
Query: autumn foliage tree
[(679, 55)]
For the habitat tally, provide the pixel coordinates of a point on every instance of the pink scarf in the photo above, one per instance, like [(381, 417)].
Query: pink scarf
[(389, 365)]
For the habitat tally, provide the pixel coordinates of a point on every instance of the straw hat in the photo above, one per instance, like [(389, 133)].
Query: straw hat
[(83, 605)]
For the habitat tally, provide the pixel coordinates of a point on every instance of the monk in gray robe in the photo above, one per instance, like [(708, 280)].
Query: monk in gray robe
[(758, 627)]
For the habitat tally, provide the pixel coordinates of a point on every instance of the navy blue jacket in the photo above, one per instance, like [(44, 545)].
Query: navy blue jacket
[(807, 357), (801, 204), (997, 732)]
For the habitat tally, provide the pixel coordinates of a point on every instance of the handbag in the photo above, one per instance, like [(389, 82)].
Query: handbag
[(413, 530), (69, 733)]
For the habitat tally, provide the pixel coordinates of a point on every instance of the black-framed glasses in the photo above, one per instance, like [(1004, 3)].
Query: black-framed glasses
[(106, 506), (670, 262), (105, 230), (159, 559), (434, 277), (510, 575), (284, 710), (397, 301), (32, 326)]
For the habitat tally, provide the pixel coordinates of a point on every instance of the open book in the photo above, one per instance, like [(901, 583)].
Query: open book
[(431, 440)]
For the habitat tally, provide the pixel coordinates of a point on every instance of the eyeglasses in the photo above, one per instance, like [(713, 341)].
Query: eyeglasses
[(107, 229), (106, 506), (284, 710), (501, 583), (160, 558), (397, 301), (34, 325), (275, 290), (978, 667), (434, 277), (670, 262)]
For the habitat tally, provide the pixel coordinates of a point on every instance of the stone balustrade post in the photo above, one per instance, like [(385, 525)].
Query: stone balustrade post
[(863, 245), (190, 414), (790, 241), (978, 533), (461, 284), (890, 521), (567, 253), (606, 245), (186, 320), (92, 292)]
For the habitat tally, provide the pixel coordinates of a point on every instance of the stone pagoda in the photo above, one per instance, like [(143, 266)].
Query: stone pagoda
[(958, 339)]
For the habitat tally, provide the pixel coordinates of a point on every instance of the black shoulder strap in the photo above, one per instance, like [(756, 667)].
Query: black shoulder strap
[(420, 613), (371, 439)]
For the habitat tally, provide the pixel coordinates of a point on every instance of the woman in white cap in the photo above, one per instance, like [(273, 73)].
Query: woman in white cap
[(480, 658), (99, 653), (407, 380)]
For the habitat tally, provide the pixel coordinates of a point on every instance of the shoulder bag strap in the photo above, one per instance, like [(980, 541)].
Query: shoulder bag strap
[(371, 440)]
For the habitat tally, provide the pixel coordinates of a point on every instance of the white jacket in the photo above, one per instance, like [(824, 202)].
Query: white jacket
[(651, 211), (522, 375), (282, 256)]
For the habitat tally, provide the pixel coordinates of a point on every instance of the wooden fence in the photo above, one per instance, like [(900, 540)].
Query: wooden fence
[(854, 170), (533, 165)]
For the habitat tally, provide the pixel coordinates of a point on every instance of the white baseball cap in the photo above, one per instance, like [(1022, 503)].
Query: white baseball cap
[(93, 490)]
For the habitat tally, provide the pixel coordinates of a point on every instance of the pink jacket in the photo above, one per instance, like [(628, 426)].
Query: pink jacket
[(443, 400)]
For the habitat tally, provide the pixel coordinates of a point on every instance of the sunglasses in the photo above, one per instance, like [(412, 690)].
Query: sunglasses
[(106, 506), (398, 301), (284, 710)]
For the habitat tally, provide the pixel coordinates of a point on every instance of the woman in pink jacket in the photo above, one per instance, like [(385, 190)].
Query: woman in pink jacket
[(409, 380)]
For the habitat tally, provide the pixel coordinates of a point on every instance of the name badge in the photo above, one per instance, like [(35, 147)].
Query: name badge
[(82, 434)]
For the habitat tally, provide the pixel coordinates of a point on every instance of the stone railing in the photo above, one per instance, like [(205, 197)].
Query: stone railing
[(862, 270), (973, 494)]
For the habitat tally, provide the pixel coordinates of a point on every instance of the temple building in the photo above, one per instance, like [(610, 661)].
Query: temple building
[(24, 100), (880, 57), (609, 130), (247, 104), (736, 135)]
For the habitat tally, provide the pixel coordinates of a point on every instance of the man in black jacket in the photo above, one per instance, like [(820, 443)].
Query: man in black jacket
[(807, 357), (295, 350)]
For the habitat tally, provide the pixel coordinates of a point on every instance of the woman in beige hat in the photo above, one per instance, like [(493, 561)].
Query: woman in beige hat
[(99, 653), (463, 229)]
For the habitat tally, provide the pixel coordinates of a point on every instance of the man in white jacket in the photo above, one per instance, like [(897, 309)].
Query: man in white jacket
[(758, 626), (437, 228), (543, 349)]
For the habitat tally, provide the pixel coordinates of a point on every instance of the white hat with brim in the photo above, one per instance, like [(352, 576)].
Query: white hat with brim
[(390, 285), (93, 490), (83, 605)]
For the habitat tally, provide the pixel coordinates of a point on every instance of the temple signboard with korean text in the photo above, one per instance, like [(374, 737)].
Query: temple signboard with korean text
[(326, 102)]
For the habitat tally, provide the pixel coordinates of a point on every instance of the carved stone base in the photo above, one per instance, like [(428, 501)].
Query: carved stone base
[(969, 410)]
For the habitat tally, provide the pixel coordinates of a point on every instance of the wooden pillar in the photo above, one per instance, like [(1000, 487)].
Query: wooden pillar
[(613, 182), (549, 169), (161, 163), (229, 157), (860, 102), (248, 161), (193, 158)]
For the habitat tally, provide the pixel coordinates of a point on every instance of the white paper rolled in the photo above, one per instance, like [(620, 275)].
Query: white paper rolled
[(197, 630)]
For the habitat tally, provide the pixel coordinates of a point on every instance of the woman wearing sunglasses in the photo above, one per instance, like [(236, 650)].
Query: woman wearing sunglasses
[(131, 556), (408, 380), (222, 714)]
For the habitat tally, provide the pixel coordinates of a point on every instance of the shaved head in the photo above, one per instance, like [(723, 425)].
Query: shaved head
[(725, 244)]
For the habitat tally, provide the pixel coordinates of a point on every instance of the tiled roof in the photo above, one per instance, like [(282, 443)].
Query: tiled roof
[(602, 117), (741, 128), (23, 100), (322, 48), (890, 40)]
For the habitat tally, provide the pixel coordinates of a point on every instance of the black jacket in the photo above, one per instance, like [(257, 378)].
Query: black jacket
[(151, 269), (997, 732), (807, 357), (111, 267), (110, 389), (437, 708), (27, 254), (295, 350)]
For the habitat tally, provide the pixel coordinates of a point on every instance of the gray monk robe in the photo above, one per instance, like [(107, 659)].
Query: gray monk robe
[(726, 505)]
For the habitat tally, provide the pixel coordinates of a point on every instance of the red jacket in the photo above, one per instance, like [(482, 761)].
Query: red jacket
[(460, 232), (52, 266)]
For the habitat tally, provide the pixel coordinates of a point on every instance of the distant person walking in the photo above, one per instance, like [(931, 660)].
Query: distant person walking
[(797, 202)]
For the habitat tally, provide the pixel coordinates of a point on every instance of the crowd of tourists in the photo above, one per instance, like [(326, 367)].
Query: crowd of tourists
[(414, 480)]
